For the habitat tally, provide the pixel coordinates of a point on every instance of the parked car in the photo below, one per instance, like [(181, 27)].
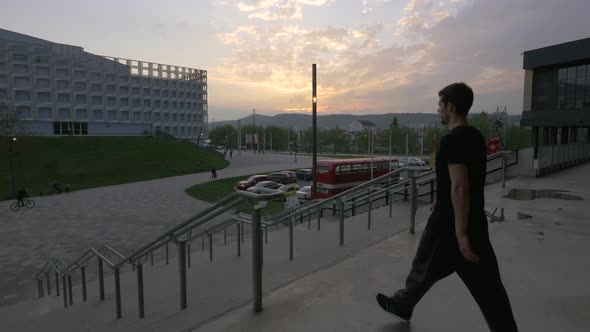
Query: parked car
[(252, 181), (292, 176), (304, 194), (265, 184), (281, 177), (288, 191), (303, 174)]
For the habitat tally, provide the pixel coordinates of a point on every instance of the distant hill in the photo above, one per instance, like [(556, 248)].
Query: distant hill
[(302, 121)]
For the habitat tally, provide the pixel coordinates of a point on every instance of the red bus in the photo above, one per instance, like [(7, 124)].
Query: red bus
[(338, 175)]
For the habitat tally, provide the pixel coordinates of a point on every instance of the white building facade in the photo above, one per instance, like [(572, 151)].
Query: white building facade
[(60, 89)]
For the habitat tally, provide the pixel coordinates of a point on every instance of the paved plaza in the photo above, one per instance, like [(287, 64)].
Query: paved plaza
[(124, 216)]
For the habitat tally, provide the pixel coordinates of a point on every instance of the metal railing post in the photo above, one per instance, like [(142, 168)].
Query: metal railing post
[(70, 295), (341, 222), (413, 202), (118, 292), (319, 217), (203, 244), (257, 258), (266, 234), (84, 294), (152, 258), (140, 301), (65, 290), (391, 205), (503, 170), (211, 247), (406, 192), (188, 255), (48, 283), (167, 257), (238, 238), (100, 279), (242, 231), (369, 205), (40, 288), (225, 236), (290, 239), (57, 284), (182, 273)]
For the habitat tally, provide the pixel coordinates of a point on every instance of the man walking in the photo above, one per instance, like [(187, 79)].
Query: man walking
[(456, 237)]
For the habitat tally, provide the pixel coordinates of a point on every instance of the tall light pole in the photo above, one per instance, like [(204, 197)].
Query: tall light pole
[(11, 166), (314, 104)]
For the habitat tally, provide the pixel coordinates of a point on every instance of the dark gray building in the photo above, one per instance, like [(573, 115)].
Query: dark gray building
[(557, 104)]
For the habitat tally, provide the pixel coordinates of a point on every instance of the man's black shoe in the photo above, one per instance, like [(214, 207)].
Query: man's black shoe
[(388, 304)]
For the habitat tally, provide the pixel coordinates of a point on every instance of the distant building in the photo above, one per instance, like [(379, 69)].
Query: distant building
[(358, 126), (63, 90), (557, 104)]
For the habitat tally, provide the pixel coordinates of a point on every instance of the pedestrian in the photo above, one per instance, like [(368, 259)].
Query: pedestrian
[(231, 152), (224, 154), (213, 173), (456, 237)]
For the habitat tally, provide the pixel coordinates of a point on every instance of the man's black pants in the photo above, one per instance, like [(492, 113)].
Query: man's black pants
[(438, 256)]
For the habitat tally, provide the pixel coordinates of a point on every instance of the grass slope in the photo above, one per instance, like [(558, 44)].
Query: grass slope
[(87, 162)]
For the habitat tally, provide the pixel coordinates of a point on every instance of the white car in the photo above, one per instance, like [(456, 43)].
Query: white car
[(288, 191), (304, 194)]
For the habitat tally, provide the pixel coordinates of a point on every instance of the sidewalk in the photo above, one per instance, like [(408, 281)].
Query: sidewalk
[(543, 262)]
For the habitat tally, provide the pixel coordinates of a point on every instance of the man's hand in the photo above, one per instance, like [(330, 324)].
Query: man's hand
[(465, 248)]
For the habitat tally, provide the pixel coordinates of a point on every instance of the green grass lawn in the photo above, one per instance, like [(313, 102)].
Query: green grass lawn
[(87, 162), (213, 191)]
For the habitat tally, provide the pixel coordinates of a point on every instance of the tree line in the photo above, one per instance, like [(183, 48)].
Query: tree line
[(338, 140)]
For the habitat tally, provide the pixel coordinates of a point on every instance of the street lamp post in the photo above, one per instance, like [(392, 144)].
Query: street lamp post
[(11, 166), (314, 105)]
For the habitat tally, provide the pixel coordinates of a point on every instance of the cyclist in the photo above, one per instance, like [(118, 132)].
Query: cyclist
[(21, 194)]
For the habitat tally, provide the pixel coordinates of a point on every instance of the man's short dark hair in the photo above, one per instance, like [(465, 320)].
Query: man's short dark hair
[(460, 94)]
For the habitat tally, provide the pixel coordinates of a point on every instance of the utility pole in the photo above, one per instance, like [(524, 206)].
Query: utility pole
[(239, 139), (254, 133)]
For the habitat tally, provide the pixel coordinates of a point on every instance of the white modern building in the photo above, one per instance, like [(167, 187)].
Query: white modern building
[(63, 90)]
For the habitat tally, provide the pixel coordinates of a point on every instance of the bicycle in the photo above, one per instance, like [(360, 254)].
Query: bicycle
[(26, 202)]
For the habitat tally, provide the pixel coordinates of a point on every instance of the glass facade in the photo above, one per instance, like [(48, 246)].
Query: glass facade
[(573, 88)]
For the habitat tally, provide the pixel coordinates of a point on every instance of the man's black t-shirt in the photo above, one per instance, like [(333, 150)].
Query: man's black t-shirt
[(462, 145)]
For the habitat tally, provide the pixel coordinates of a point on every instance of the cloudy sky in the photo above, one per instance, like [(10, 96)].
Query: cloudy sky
[(373, 56)]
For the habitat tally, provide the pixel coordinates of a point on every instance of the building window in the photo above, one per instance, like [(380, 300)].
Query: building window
[(181, 117), (123, 89), (166, 117), (42, 83), (573, 88), (22, 96), (156, 92), (64, 113), (146, 91), (164, 93), (43, 71), (165, 104), (110, 88), (124, 116), (147, 103), (81, 99), (136, 116), (63, 98), (96, 100), (156, 103), (22, 82), (173, 94), (70, 128), (97, 115), (24, 112), (79, 75), (123, 101), (135, 91), (111, 101), (112, 115), (43, 97), (81, 114), (94, 76), (136, 102), (44, 113), (174, 117), (95, 87), (62, 73), (109, 77), (157, 116), (62, 85), (80, 86)]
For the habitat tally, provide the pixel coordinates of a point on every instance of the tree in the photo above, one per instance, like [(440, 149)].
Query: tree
[(11, 128), (394, 122), (481, 121), (225, 136)]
